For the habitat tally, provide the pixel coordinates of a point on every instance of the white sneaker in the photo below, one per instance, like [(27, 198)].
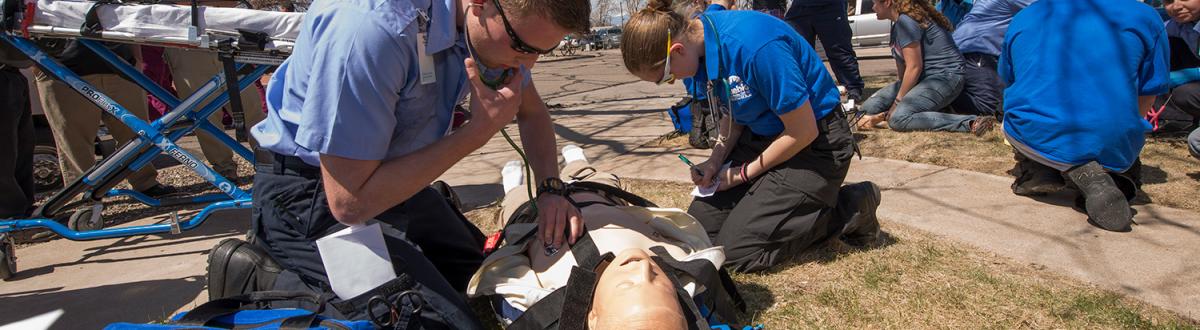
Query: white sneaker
[(512, 175), (573, 153)]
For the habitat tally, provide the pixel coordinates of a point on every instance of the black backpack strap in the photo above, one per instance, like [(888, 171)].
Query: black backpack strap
[(721, 295), (211, 310)]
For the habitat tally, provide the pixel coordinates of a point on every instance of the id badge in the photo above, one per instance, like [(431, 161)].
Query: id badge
[(425, 61)]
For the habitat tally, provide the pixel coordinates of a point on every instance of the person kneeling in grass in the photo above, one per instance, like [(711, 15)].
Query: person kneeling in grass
[(931, 74), (1081, 76)]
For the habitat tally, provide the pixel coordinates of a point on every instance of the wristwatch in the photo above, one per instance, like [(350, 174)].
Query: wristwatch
[(552, 185)]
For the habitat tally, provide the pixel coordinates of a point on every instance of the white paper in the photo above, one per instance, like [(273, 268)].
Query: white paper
[(356, 260), (699, 191)]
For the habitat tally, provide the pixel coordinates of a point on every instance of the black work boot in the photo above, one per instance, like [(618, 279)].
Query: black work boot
[(1104, 202), (1035, 179), (859, 201), (236, 267)]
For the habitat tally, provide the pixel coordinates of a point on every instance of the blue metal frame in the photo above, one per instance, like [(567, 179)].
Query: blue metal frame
[(149, 134), (146, 132), (62, 230)]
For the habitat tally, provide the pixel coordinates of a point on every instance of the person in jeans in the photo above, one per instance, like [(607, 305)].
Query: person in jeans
[(1082, 113), (931, 74), (978, 37), (16, 135)]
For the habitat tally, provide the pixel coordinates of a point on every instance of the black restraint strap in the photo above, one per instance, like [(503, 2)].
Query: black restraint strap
[(565, 308), (718, 296), (91, 21), (695, 319), (235, 96)]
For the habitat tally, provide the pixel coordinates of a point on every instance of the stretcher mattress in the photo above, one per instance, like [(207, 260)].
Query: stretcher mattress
[(167, 23)]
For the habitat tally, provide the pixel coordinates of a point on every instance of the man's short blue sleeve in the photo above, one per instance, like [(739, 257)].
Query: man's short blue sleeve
[(358, 69), (1153, 73), (776, 75)]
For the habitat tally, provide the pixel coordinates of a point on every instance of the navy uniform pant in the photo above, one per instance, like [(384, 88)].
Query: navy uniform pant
[(427, 238), (786, 210), (829, 23)]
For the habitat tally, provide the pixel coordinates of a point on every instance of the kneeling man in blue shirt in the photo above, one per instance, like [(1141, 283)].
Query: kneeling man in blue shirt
[(1081, 75)]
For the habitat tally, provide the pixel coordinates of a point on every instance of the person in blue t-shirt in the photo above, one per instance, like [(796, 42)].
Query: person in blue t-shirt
[(1186, 97), (931, 74), (1078, 92), (782, 151)]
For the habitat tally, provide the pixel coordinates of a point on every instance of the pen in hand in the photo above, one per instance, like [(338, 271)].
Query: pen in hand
[(693, 166)]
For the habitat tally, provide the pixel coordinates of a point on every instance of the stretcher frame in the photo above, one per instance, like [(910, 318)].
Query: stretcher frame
[(152, 138)]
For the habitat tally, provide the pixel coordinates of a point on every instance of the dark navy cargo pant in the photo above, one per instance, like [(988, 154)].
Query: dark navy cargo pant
[(427, 238), (829, 23)]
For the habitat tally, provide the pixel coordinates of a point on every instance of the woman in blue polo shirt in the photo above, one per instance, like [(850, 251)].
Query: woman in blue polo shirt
[(784, 148)]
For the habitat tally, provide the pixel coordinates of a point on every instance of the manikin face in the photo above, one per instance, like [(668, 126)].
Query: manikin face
[(634, 293)]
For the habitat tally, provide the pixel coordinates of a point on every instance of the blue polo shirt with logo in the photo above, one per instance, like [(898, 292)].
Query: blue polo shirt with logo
[(770, 69)]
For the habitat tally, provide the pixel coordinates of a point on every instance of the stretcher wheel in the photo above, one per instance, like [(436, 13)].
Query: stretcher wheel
[(8, 260), (46, 174), (87, 219)]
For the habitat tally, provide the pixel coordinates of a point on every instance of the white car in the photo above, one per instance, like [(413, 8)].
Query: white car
[(868, 31)]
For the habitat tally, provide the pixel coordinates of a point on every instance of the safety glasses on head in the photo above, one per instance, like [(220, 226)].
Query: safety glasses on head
[(518, 44), (667, 76)]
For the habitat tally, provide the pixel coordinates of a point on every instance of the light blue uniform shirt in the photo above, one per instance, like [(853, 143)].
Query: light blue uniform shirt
[(982, 30), (770, 70), (352, 88)]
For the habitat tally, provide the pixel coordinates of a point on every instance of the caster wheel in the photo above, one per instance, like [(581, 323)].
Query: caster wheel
[(87, 219), (46, 174), (8, 258)]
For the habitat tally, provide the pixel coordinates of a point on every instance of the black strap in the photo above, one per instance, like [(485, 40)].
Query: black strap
[(695, 319), (403, 282), (565, 308), (91, 21), (628, 197), (235, 95), (211, 310), (544, 314), (717, 297)]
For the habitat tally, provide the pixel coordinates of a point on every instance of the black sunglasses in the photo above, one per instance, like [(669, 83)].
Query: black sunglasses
[(518, 44)]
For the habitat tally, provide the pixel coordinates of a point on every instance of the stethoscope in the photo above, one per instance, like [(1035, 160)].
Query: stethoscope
[(716, 108)]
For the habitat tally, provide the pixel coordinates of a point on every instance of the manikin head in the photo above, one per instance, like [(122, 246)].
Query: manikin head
[(633, 292)]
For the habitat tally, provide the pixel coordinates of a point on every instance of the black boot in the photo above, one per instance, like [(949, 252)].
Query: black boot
[(859, 201), (236, 267), (1106, 205), (1034, 179)]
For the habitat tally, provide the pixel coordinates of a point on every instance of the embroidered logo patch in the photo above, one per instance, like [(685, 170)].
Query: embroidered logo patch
[(738, 90)]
